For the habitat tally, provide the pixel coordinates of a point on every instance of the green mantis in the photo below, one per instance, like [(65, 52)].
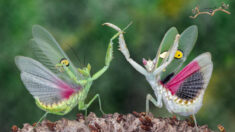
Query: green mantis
[(55, 83)]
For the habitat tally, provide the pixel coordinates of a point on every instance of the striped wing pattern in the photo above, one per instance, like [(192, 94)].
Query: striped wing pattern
[(191, 86)]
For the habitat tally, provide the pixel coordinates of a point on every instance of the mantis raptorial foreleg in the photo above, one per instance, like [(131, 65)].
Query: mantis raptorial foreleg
[(171, 55), (108, 58), (123, 48), (157, 103)]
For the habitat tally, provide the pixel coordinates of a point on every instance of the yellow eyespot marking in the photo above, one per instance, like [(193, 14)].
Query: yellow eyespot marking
[(64, 61), (178, 54)]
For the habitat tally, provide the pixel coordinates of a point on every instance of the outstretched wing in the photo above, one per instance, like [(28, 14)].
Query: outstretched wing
[(48, 51), (193, 79), (166, 44), (186, 43), (42, 83)]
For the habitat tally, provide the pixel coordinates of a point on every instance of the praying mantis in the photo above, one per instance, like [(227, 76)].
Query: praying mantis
[(55, 83), (182, 92), (58, 86)]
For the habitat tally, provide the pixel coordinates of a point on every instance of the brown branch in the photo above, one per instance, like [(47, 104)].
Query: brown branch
[(211, 12)]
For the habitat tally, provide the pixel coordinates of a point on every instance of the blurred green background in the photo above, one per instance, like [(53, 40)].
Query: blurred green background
[(76, 24)]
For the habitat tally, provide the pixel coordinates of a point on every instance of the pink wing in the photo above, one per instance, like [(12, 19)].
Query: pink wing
[(42, 83), (194, 78)]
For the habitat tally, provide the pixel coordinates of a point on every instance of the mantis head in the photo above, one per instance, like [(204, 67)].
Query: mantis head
[(149, 64), (85, 70)]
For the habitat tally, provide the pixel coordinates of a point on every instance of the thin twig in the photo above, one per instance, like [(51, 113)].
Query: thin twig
[(211, 12)]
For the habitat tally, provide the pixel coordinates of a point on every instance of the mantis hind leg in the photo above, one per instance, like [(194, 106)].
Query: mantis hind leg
[(43, 117), (97, 96), (195, 122), (149, 98)]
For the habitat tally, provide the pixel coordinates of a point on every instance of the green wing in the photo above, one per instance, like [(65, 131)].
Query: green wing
[(186, 43), (166, 43), (48, 51)]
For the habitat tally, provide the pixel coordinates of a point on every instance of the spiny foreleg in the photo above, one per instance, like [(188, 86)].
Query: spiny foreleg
[(108, 58), (168, 59), (123, 48)]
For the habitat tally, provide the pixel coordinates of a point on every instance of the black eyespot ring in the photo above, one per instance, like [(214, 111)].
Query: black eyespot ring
[(64, 61), (179, 54)]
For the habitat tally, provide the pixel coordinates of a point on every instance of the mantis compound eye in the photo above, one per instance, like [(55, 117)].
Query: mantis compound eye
[(64, 61), (144, 61), (178, 54)]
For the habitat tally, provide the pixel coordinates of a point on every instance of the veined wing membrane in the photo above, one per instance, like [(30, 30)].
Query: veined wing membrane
[(186, 43), (42, 83), (194, 78), (166, 44), (48, 51)]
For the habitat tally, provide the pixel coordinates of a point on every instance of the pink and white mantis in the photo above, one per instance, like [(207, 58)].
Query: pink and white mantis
[(182, 92)]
